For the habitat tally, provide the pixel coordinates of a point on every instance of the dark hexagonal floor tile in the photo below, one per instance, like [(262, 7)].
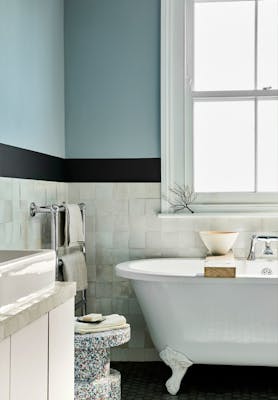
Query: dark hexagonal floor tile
[(146, 381)]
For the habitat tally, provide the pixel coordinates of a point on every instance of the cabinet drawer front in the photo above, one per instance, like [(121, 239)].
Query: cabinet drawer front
[(29, 361), (5, 369), (61, 352)]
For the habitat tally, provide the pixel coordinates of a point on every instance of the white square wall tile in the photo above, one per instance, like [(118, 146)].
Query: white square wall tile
[(153, 239), (137, 239), (6, 211), (104, 290), (153, 223), (103, 306), (104, 273), (136, 354), (91, 268), (120, 239), (151, 355), (120, 191), (152, 206), (137, 190), (152, 190), (137, 223), (120, 207), (137, 339), (74, 193), (170, 239), (104, 191), (136, 254), (152, 253), (269, 224), (120, 306), (137, 207), (6, 188), (87, 191), (121, 223), (119, 354), (104, 239), (104, 223)]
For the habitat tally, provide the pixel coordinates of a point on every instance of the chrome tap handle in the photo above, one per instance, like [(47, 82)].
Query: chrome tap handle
[(251, 256), (261, 238), (268, 251)]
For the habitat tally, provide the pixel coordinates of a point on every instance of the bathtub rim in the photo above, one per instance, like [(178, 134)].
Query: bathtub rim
[(124, 270)]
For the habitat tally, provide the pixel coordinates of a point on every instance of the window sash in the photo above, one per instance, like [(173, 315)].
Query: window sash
[(234, 94), (190, 19), (176, 127), (223, 95)]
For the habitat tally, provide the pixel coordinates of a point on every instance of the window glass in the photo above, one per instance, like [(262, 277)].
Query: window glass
[(224, 40), (267, 145), (224, 153), (268, 44)]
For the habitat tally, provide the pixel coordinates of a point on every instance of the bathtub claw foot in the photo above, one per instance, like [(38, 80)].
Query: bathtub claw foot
[(179, 364)]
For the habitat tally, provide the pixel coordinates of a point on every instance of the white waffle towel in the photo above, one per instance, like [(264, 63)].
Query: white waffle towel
[(73, 225), (75, 269), (113, 321)]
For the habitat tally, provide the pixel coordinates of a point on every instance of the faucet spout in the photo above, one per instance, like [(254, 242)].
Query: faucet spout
[(261, 238)]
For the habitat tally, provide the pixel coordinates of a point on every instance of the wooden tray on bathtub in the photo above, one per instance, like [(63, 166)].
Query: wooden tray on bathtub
[(220, 272), (220, 266)]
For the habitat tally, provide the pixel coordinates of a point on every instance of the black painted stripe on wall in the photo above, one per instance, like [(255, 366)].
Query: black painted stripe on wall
[(113, 170), (26, 164)]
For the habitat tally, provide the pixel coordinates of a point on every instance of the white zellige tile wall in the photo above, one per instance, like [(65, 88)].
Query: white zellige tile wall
[(121, 225), (17, 229)]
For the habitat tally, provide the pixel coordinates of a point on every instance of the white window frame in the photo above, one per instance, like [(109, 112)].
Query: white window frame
[(176, 123)]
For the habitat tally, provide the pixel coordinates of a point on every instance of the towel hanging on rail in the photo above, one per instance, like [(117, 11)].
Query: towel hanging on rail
[(75, 269), (74, 233)]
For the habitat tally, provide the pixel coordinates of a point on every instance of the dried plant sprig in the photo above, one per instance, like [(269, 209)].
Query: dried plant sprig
[(183, 195)]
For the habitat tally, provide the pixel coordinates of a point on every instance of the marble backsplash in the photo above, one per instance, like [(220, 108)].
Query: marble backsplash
[(121, 225)]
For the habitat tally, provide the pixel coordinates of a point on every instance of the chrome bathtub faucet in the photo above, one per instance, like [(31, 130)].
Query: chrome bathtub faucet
[(261, 238)]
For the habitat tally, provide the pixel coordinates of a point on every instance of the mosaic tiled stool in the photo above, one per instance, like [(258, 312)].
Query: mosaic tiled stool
[(93, 378)]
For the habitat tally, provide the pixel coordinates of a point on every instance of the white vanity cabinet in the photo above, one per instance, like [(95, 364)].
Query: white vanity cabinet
[(61, 352), (5, 369), (29, 361), (37, 361)]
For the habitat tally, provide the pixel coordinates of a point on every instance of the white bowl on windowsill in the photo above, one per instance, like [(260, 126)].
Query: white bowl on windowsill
[(218, 243)]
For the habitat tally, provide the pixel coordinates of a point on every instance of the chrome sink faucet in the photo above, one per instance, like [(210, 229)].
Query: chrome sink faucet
[(261, 238)]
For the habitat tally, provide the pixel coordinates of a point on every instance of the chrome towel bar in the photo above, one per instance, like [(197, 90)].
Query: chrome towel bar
[(54, 210)]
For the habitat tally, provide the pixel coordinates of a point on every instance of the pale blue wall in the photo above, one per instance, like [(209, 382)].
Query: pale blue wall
[(112, 78), (32, 75)]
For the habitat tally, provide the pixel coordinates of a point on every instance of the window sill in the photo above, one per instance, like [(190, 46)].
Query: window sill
[(254, 210), (197, 215)]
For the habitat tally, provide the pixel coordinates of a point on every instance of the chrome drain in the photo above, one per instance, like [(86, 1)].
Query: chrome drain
[(266, 271)]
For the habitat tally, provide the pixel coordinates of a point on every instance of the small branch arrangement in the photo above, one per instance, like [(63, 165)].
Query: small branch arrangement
[(183, 196)]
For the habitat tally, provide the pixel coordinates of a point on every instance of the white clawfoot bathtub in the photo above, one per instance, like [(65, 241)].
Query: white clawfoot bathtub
[(192, 319)]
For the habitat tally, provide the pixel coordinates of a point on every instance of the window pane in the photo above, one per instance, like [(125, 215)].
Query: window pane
[(268, 43), (224, 146), (267, 145), (224, 45)]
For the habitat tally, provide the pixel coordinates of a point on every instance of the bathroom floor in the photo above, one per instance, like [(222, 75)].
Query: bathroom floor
[(146, 381)]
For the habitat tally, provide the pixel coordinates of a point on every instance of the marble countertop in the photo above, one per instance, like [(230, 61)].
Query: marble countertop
[(28, 310)]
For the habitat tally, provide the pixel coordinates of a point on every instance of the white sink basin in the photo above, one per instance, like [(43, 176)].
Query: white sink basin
[(23, 273)]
